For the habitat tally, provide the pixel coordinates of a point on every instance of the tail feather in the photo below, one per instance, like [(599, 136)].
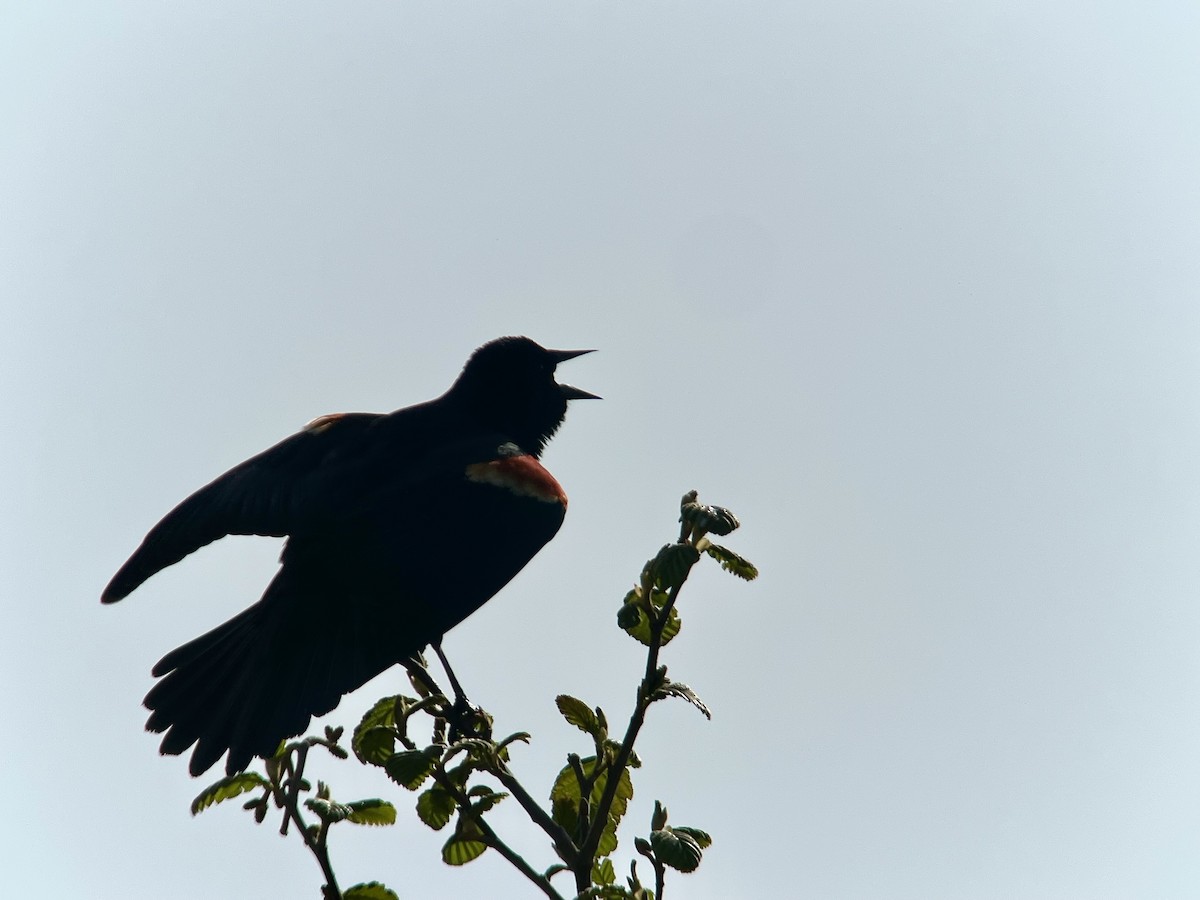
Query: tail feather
[(260, 677)]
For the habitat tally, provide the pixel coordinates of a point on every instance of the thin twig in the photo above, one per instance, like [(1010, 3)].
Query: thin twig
[(318, 845), (492, 839)]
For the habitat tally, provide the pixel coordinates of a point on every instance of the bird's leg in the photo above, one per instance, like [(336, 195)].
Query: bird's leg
[(464, 719), (460, 696), (418, 674)]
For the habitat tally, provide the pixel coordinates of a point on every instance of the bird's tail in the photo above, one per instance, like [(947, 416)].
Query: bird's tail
[(245, 686)]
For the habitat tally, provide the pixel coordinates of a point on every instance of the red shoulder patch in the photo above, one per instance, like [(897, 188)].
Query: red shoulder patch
[(523, 475)]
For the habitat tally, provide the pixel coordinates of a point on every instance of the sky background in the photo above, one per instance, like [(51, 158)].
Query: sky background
[(913, 288)]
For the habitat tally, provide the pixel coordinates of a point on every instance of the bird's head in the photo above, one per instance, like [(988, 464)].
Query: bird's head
[(509, 385)]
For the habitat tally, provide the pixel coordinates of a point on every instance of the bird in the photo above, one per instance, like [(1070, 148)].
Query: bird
[(398, 527)]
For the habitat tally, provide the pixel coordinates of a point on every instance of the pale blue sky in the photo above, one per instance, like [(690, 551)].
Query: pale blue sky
[(912, 287)]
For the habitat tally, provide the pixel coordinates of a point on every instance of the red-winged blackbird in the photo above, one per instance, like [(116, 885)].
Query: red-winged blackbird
[(398, 527)]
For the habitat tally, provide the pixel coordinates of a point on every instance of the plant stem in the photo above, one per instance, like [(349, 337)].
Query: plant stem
[(318, 844), (587, 850)]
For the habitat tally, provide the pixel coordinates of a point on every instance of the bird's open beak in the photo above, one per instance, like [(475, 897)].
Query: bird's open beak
[(570, 391), (573, 393), (563, 355)]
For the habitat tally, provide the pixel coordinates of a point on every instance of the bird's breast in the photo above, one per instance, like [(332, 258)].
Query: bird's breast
[(523, 475)]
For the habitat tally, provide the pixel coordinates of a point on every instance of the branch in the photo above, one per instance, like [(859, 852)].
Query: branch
[(557, 834), (587, 851)]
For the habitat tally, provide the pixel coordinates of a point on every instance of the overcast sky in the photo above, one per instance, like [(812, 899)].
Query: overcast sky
[(914, 288)]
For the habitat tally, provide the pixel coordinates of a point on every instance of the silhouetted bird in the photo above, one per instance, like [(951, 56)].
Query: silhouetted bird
[(398, 527)]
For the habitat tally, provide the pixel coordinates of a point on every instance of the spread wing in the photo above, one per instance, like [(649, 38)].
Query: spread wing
[(271, 494)]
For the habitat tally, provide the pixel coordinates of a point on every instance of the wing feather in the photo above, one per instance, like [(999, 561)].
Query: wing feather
[(269, 494)]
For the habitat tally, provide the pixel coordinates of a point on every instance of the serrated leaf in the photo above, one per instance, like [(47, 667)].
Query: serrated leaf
[(226, 789), (640, 631), (732, 562), (678, 689), (629, 615), (673, 563), (484, 798), (328, 810), (435, 808), (461, 773), (376, 745), (381, 715), (464, 845), (372, 890), (676, 848), (703, 838), (410, 768), (564, 802), (579, 714), (372, 812), (715, 519)]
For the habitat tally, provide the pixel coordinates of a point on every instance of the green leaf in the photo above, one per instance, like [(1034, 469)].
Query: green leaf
[(731, 562), (328, 810), (372, 890), (523, 736), (700, 837), (464, 845), (564, 802), (676, 848), (629, 615), (435, 807), (640, 629), (579, 714), (410, 768), (372, 812), (228, 788), (678, 689), (375, 745), (487, 798), (381, 715), (459, 852), (603, 872), (673, 563), (715, 519)]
